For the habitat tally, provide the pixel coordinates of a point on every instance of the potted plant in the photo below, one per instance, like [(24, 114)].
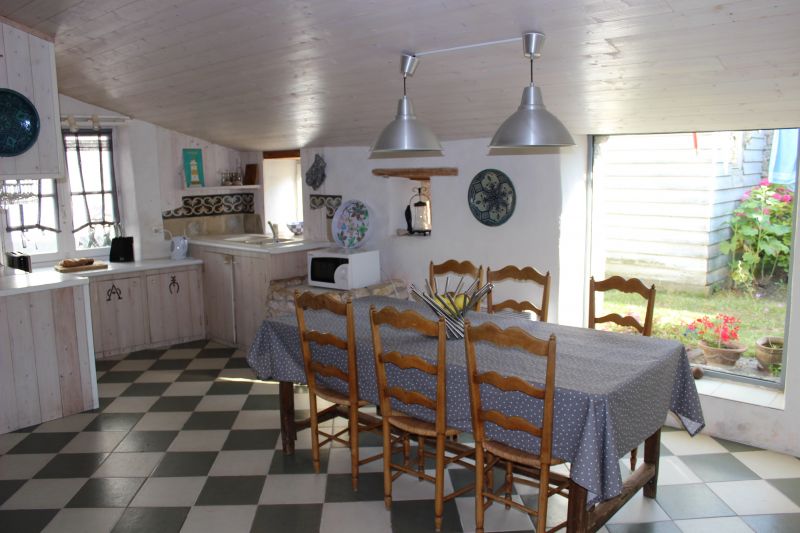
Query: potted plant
[(769, 351), (717, 338)]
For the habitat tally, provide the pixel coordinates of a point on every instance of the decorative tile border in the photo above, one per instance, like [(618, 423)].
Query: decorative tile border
[(216, 204), (330, 202)]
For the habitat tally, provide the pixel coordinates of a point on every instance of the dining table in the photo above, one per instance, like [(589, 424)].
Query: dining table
[(613, 392)]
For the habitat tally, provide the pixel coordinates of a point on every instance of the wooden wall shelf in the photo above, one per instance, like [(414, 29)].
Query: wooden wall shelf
[(418, 173)]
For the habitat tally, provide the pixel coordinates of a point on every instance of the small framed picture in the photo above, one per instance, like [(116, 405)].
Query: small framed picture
[(193, 167)]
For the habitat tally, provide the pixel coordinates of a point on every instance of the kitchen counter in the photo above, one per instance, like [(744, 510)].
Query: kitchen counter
[(43, 280), (123, 268), (265, 246)]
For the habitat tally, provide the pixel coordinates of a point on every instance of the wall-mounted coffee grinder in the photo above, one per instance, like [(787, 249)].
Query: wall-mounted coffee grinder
[(418, 214)]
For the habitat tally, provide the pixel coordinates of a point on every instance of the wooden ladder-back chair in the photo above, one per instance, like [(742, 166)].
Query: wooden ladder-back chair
[(315, 367), (520, 274), (460, 268), (488, 452), (406, 425), (628, 286)]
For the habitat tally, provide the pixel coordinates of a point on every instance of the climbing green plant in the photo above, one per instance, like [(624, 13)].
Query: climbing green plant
[(761, 234)]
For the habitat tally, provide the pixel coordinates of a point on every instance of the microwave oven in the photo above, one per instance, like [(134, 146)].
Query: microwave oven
[(344, 269)]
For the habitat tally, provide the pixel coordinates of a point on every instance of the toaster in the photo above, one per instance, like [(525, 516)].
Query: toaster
[(19, 260)]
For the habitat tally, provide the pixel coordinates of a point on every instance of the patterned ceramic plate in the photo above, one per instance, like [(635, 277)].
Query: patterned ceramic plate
[(351, 224), (491, 197), (19, 123)]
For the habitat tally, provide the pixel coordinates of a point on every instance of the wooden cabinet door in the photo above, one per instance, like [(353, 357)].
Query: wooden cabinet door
[(175, 306), (219, 294), (118, 315), (251, 282)]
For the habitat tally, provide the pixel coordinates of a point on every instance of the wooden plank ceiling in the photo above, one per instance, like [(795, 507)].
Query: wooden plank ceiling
[(273, 74)]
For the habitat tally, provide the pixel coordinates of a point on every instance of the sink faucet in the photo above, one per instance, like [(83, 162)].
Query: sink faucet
[(274, 229)]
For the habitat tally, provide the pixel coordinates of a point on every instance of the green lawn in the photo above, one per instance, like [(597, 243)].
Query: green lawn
[(760, 316)]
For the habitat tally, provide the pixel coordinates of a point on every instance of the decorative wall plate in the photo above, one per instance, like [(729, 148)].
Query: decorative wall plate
[(19, 123), (491, 197), (351, 224)]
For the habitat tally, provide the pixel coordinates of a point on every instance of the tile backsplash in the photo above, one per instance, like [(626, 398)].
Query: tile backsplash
[(213, 215), (211, 205)]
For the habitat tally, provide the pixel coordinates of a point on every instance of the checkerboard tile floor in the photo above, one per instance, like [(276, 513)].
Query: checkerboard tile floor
[(186, 439)]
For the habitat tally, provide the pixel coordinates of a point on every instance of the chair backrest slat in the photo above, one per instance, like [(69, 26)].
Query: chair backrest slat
[(527, 273), (518, 339), (628, 286), (413, 321), (461, 268), (327, 302)]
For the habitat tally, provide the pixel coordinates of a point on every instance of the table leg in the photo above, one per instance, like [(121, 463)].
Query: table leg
[(288, 428), (652, 452), (577, 515)]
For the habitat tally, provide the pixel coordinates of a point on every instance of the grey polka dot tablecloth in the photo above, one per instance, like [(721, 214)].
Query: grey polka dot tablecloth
[(612, 390)]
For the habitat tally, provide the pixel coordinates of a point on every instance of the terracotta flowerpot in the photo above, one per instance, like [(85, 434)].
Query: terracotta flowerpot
[(727, 355), (769, 351)]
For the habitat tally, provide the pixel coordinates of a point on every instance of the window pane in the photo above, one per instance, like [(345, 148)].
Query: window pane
[(34, 241), (94, 237)]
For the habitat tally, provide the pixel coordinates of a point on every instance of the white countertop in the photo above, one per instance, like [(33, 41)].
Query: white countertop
[(134, 266), (38, 281), (224, 242)]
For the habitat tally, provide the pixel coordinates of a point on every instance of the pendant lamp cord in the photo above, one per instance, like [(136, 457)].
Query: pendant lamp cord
[(531, 70), (404, 84)]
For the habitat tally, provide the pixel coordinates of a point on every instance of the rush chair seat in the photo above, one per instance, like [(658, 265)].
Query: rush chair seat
[(394, 391), (314, 367), (628, 286), (490, 453), (460, 268), (514, 273)]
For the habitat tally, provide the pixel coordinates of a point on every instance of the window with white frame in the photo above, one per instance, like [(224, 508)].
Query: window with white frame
[(85, 203)]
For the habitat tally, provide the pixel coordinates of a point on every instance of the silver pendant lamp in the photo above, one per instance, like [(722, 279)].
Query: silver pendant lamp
[(405, 133), (531, 124)]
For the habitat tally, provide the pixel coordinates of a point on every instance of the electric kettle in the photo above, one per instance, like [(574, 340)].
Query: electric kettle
[(179, 248)]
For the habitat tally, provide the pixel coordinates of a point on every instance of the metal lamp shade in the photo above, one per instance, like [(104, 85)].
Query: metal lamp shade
[(531, 125), (406, 134)]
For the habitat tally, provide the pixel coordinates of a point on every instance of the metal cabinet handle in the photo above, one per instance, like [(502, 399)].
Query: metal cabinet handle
[(113, 290), (174, 284)]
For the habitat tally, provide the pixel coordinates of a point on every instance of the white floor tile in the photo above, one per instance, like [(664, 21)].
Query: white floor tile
[(638, 510), (161, 421), (169, 492), (180, 353), (770, 465), (210, 363), (44, 494), (237, 374), (242, 463), (222, 402), (83, 520), (133, 364), (131, 404), (339, 460), (495, 518), (111, 390), (9, 440), (158, 376), (258, 420), (199, 440), (129, 464), (67, 424), (23, 465), (730, 524), (681, 443), (673, 471), (187, 388), (753, 497), (294, 489), (265, 387), (217, 518), (360, 517), (94, 441), (407, 487)]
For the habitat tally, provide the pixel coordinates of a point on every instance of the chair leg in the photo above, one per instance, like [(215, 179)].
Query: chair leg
[(438, 503), (479, 482), (509, 482), (544, 489), (353, 426), (420, 456), (312, 401), (634, 453), (387, 464)]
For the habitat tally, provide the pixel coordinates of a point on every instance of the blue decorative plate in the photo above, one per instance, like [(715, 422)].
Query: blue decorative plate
[(491, 197), (19, 123)]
